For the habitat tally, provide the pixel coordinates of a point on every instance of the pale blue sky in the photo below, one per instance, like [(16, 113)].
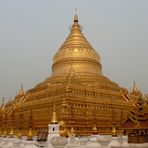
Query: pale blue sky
[(31, 31)]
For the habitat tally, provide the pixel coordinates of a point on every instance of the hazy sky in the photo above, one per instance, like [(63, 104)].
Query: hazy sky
[(31, 31)]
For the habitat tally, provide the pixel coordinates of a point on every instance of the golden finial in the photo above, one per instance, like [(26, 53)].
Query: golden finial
[(21, 91), (135, 87), (94, 129), (3, 105), (72, 131), (75, 18), (3, 101), (54, 117), (114, 132)]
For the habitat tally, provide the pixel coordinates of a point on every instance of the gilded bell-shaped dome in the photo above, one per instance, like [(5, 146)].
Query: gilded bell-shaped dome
[(77, 53)]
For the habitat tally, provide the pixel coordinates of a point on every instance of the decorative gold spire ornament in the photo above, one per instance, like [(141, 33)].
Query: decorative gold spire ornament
[(21, 91), (30, 135), (94, 129), (54, 117), (114, 132), (3, 102), (76, 18), (72, 131), (135, 87), (3, 106)]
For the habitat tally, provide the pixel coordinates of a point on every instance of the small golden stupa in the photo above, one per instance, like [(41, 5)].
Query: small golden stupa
[(54, 117), (114, 131), (94, 129), (30, 134), (72, 131)]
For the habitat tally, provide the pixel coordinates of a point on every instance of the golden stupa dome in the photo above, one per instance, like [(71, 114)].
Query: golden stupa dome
[(77, 53), (77, 59)]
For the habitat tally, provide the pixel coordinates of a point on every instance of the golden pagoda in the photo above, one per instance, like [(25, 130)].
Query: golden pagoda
[(78, 81)]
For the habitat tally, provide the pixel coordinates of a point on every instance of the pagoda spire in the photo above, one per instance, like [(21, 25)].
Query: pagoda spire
[(3, 102), (114, 131), (94, 129), (54, 117), (72, 131), (76, 18), (3, 105), (76, 39), (135, 87), (21, 91)]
